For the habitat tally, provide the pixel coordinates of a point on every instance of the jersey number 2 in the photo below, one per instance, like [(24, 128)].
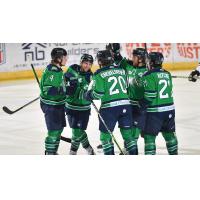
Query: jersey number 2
[(116, 80), (161, 93)]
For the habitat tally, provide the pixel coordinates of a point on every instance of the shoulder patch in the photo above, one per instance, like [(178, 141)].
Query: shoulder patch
[(75, 67), (152, 71), (54, 68), (146, 73)]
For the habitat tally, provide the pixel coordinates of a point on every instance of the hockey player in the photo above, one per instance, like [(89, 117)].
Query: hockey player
[(134, 70), (194, 74), (159, 103), (53, 96), (77, 108), (109, 85)]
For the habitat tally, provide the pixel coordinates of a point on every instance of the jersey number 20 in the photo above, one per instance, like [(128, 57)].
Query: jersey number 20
[(115, 82)]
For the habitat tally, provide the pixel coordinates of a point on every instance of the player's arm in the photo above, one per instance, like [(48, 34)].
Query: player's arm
[(194, 74), (96, 89), (114, 48), (84, 87), (71, 82), (150, 92), (50, 84)]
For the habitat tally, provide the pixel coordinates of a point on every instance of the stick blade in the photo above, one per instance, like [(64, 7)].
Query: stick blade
[(100, 146), (65, 139), (7, 110)]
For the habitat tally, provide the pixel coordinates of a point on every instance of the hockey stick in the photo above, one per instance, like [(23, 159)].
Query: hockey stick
[(65, 139), (10, 112), (35, 74), (113, 137), (197, 77), (147, 56)]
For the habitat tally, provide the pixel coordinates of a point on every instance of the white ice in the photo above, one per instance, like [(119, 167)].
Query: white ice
[(24, 132)]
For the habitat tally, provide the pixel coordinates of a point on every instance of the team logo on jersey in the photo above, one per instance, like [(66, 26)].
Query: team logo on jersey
[(124, 110), (80, 80), (145, 83), (2, 53), (140, 74)]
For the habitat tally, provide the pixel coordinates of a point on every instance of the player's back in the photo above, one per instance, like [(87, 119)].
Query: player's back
[(111, 81), (159, 88)]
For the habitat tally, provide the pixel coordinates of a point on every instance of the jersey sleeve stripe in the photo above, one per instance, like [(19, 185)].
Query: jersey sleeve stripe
[(96, 95)]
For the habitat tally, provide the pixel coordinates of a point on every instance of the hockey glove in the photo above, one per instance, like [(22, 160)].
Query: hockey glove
[(88, 95), (114, 47), (193, 76), (115, 50), (143, 104), (54, 91)]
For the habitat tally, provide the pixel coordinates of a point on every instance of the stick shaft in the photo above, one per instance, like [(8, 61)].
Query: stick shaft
[(35, 74), (173, 76), (8, 111), (95, 107)]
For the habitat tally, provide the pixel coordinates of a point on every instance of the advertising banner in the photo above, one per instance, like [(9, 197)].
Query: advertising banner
[(18, 56)]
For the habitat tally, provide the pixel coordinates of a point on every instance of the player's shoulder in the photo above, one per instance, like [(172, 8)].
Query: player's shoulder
[(144, 67), (75, 67), (154, 71), (164, 70), (129, 62), (54, 68), (103, 69)]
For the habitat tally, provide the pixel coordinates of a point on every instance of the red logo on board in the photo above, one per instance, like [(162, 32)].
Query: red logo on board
[(2, 53)]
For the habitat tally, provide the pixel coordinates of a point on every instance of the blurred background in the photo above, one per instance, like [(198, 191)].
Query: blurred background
[(15, 58)]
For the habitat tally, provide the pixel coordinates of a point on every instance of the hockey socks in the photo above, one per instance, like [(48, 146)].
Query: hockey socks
[(108, 146), (52, 141), (76, 140), (171, 142), (129, 141), (84, 140), (80, 136), (136, 133), (150, 144)]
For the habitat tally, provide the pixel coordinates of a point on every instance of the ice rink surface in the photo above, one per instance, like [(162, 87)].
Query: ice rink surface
[(23, 133)]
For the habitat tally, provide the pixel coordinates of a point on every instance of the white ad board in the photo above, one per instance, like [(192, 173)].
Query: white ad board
[(18, 56)]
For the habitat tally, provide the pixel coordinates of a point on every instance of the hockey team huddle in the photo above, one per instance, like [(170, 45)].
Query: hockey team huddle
[(137, 94)]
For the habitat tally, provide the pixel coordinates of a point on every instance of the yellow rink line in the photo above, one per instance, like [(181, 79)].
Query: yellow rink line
[(28, 74)]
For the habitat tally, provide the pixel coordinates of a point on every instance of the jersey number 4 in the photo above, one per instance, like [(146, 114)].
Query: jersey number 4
[(116, 83)]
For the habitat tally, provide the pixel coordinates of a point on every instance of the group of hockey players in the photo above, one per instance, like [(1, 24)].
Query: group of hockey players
[(136, 94)]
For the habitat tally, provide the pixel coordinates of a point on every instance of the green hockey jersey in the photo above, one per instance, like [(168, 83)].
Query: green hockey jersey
[(110, 85), (52, 86), (134, 76), (76, 100), (158, 90)]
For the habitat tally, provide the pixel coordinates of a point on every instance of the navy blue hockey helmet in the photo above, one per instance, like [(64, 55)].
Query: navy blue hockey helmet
[(105, 57), (58, 53), (141, 53), (87, 58), (156, 59)]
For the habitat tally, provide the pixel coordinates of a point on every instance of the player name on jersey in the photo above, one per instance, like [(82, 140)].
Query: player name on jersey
[(112, 72), (163, 75)]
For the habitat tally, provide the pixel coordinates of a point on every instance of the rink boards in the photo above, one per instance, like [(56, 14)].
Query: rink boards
[(28, 74)]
